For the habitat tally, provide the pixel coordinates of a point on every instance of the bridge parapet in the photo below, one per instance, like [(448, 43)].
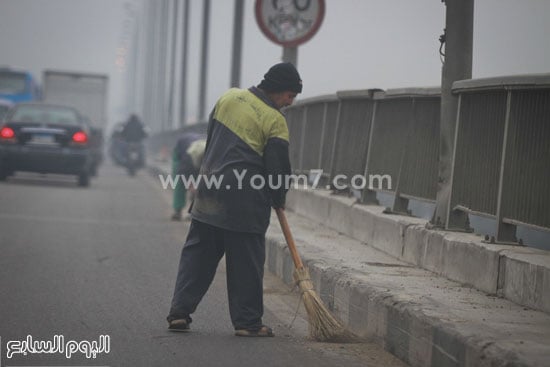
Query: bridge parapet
[(501, 165), (501, 162)]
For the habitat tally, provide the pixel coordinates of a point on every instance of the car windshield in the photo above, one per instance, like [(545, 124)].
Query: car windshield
[(12, 83), (45, 114)]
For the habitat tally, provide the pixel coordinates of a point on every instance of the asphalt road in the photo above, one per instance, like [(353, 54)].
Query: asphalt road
[(98, 264)]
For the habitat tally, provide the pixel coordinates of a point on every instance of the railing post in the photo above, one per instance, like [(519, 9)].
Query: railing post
[(401, 204), (323, 129), (456, 219), (506, 233), (303, 139), (334, 141), (324, 179), (369, 196)]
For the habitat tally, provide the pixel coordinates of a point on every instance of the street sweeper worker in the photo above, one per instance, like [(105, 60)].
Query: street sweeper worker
[(243, 175)]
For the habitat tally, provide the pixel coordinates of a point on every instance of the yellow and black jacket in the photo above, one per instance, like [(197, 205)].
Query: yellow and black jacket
[(247, 138)]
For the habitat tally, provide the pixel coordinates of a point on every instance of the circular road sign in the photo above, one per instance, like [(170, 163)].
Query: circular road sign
[(289, 22)]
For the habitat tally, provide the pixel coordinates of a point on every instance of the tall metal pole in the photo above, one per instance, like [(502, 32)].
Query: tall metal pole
[(133, 68), (163, 58), (237, 44), (140, 59), (204, 59), (150, 48), (173, 57), (290, 54), (457, 66), (156, 102), (185, 46)]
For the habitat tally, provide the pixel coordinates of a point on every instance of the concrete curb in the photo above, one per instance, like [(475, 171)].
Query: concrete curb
[(403, 327), (519, 274)]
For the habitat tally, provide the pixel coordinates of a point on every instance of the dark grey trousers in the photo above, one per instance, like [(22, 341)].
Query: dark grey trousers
[(244, 258)]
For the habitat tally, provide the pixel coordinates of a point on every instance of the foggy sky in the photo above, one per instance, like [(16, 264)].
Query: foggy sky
[(361, 43)]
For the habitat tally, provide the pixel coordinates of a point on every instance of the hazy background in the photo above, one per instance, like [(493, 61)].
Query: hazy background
[(361, 43)]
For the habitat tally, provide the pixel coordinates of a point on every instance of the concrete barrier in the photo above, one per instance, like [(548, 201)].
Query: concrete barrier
[(423, 320), (519, 274)]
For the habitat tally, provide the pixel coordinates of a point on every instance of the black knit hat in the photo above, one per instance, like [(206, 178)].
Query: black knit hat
[(281, 77)]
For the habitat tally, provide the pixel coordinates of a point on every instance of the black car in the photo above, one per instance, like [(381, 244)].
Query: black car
[(38, 137)]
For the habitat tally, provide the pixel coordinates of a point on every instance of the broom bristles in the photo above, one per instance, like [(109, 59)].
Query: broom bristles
[(322, 325)]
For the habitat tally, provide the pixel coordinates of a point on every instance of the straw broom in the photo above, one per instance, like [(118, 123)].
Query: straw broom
[(322, 325)]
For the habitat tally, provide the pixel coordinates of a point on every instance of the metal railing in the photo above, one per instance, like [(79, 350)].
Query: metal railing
[(374, 134), (405, 140), (502, 153), (501, 159)]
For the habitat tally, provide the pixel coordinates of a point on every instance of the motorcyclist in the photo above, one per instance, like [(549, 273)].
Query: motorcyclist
[(133, 132)]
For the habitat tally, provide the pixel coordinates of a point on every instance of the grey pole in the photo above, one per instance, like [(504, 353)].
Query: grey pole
[(141, 57), (148, 110), (290, 54), (155, 122), (139, 62), (173, 56), (133, 68), (204, 59), (457, 66), (237, 44), (163, 105), (183, 81)]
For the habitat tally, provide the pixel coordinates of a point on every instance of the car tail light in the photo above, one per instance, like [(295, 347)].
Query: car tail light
[(7, 133), (80, 137)]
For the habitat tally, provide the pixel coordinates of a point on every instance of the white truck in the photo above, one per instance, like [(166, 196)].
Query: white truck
[(86, 92)]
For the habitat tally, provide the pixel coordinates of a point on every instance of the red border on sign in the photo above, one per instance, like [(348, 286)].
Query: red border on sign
[(298, 41)]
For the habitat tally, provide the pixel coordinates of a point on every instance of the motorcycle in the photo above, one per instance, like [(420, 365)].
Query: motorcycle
[(134, 157)]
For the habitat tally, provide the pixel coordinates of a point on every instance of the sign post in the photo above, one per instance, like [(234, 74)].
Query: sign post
[(290, 23)]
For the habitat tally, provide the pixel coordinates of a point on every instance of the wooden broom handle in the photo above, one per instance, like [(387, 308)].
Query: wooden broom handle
[(289, 239)]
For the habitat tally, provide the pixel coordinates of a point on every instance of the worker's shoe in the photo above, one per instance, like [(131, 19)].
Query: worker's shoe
[(176, 216), (262, 331), (179, 325)]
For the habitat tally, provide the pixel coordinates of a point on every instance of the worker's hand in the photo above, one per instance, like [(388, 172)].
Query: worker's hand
[(278, 201)]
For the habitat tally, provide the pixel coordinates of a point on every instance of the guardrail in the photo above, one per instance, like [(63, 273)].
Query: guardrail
[(502, 153), (372, 134), (501, 161)]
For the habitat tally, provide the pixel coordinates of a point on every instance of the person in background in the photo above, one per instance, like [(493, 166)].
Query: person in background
[(133, 130), (132, 134), (247, 136), (186, 162)]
